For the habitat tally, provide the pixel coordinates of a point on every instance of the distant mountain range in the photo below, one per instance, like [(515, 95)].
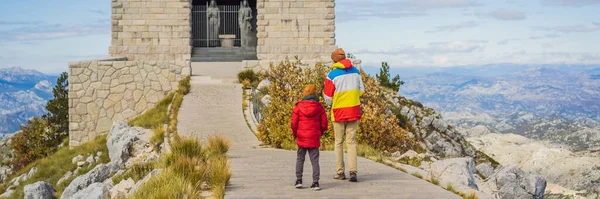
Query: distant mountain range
[(559, 103), (23, 95)]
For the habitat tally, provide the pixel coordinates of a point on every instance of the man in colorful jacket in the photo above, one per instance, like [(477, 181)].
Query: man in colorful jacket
[(343, 88)]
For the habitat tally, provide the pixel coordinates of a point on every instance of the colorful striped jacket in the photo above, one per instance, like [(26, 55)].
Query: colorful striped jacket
[(343, 88)]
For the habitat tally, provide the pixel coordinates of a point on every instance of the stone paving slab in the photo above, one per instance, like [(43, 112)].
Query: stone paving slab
[(270, 173)]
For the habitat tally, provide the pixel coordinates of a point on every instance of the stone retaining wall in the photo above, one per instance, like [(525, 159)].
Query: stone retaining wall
[(151, 29), (104, 91), (301, 27)]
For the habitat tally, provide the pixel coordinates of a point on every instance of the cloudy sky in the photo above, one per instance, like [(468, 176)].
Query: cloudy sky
[(45, 35)]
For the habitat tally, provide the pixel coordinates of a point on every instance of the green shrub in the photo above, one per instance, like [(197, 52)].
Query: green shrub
[(217, 145), (136, 172), (384, 78), (288, 79), (36, 140), (155, 116), (249, 75), (158, 137), (167, 185), (190, 169), (415, 161), (219, 173), (418, 175), (191, 148), (434, 180)]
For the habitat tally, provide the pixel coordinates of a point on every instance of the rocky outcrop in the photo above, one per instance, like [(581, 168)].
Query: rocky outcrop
[(124, 144), (440, 138), (38, 190), (94, 191), (485, 169), (119, 141), (512, 182), (558, 165), (456, 171), (97, 175)]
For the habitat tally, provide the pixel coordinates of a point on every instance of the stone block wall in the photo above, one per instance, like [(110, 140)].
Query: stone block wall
[(104, 91), (302, 27), (151, 29)]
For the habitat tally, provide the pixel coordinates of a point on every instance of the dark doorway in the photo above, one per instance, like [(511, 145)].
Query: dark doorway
[(228, 17)]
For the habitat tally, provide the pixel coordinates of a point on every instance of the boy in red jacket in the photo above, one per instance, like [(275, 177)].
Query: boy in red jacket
[(309, 121)]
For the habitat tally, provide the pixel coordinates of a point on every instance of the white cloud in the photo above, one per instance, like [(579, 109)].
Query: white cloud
[(575, 3), (43, 31), (455, 27), (431, 48), (358, 10), (506, 15), (571, 29)]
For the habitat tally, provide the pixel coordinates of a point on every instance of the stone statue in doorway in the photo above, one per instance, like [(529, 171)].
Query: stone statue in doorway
[(244, 20), (214, 23)]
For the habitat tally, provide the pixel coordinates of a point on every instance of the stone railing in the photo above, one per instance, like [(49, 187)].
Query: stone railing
[(106, 90)]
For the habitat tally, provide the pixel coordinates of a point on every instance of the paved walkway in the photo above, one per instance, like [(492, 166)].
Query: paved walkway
[(214, 107)]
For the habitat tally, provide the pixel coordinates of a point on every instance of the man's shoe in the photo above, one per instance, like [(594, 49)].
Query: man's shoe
[(339, 176), (353, 177), (315, 186), (298, 184)]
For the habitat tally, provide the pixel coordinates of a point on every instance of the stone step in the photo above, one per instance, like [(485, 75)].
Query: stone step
[(204, 80), (216, 69), (223, 54)]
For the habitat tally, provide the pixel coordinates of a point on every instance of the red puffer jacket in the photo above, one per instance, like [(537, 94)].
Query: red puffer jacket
[(309, 121)]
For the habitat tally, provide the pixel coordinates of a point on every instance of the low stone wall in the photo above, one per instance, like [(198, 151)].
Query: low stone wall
[(104, 91)]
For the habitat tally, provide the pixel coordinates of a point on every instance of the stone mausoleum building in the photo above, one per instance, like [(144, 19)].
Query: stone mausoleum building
[(157, 42)]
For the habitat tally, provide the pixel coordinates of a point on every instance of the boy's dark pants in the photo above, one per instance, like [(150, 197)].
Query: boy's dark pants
[(314, 160)]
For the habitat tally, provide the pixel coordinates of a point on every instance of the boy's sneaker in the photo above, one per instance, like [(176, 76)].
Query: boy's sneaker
[(315, 186), (339, 176), (298, 184), (353, 177)]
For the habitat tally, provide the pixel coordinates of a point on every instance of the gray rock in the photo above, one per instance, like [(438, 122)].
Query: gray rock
[(440, 125), (16, 181), (404, 111), (38, 190), (97, 175), (30, 174), (5, 171), (99, 153), (120, 190), (409, 154), (426, 121), (80, 163), (485, 169), (7, 193), (512, 182), (94, 191), (442, 146), (90, 159), (77, 159), (458, 171), (64, 177), (119, 141)]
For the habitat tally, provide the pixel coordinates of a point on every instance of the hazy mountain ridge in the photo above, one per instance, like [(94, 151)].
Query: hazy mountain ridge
[(23, 95), (544, 103)]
